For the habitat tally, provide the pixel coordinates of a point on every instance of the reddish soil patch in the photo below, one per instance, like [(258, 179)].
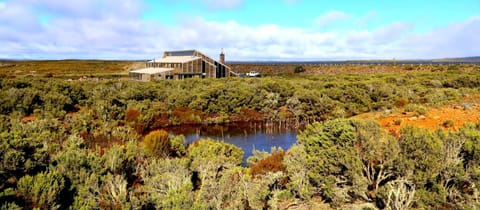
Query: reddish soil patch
[(28, 118), (450, 118)]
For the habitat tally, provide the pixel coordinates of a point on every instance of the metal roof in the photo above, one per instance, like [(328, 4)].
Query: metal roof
[(180, 53), (151, 70), (175, 59)]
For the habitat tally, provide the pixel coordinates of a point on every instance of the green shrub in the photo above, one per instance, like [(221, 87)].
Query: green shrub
[(44, 190), (157, 143), (178, 145), (421, 154), (206, 151), (416, 109)]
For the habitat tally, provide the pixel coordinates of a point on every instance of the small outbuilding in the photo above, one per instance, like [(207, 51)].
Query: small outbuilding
[(182, 65), (151, 74)]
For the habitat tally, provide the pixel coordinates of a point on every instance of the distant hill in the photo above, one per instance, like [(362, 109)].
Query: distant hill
[(464, 59), (474, 60)]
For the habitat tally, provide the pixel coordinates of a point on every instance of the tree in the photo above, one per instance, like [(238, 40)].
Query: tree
[(378, 152), (345, 159), (400, 195), (452, 176), (421, 162), (297, 171), (331, 157)]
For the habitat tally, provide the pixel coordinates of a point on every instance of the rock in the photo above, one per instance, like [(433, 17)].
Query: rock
[(467, 106), (413, 118), (436, 117), (422, 117)]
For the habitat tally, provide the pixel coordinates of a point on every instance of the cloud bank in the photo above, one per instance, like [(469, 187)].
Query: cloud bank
[(114, 29)]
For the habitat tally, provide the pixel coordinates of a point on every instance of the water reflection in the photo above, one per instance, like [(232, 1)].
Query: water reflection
[(244, 135)]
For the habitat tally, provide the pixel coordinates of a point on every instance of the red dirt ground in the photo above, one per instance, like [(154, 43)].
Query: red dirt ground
[(435, 118), (452, 117)]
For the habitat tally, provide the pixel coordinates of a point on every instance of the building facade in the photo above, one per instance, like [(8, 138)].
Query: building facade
[(182, 65)]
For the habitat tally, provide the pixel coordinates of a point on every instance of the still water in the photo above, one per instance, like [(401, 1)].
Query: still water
[(244, 135)]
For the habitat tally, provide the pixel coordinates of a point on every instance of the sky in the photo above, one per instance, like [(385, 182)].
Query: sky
[(246, 30)]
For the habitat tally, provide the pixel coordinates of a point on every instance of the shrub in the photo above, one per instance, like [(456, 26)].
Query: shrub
[(132, 115), (436, 83), (421, 155), (448, 123), (178, 145), (157, 143), (397, 122), (271, 163), (205, 151), (299, 69), (186, 115), (401, 102), (417, 109), (44, 190)]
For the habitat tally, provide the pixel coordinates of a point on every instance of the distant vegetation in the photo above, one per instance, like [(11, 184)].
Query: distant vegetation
[(97, 145), (118, 69), (65, 68)]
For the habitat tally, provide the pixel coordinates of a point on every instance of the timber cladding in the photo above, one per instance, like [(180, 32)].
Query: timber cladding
[(182, 65)]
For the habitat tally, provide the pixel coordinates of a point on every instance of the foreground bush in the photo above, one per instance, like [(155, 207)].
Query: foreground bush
[(157, 143)]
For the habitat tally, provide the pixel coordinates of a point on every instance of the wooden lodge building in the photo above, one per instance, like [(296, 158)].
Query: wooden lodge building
[(181, 65)]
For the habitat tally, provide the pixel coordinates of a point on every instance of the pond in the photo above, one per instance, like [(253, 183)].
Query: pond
[(247, 136)]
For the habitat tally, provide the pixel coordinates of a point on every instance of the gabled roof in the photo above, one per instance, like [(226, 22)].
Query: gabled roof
[(175, 59), (151, 70)]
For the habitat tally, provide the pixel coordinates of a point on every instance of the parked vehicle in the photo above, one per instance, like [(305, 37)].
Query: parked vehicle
[(253, 74)]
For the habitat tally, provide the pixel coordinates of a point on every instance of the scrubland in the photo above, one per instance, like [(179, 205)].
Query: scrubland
[(100, 144)]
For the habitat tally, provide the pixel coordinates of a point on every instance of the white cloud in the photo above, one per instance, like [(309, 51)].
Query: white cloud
[(366, 19), (118, 32), (455, 40), (331, 17)]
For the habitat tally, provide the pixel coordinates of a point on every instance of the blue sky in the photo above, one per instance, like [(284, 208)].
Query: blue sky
[(246, 29)]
